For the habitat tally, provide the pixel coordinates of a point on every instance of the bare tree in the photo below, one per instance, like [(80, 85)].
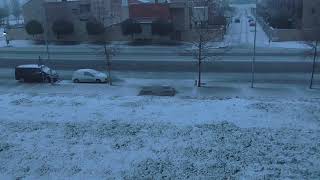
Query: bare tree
[(312, 37), (16, 9), (108, 50), (254, 47), (206, 36), (314, 46), (6, 7)]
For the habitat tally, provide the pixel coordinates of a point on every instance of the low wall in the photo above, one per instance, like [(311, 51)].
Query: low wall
[(18, 33), (287, 35)]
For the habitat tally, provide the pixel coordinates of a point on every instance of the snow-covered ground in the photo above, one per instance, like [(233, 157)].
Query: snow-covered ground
[(93, 132)]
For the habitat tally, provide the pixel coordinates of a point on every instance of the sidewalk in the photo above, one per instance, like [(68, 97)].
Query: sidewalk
[(185, 87)]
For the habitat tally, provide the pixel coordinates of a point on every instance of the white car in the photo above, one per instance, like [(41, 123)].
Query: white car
[(89, 75)]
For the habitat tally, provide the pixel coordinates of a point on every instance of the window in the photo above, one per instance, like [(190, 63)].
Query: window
[(84, 8), (83, 19), (75, 11), (88, 74)]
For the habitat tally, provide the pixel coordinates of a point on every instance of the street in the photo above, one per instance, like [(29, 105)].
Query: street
[(183, 81), (272, 57)]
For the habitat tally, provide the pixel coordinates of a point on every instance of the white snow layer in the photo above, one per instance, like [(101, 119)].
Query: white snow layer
[(95, 136)]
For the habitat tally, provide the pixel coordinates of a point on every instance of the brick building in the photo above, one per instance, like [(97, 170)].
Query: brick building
[(304, 14), (112, 12), (109, 12)]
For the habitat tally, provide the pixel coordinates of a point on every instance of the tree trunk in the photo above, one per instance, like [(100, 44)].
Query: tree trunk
[(199, 61), (314, 64), (107, 54)]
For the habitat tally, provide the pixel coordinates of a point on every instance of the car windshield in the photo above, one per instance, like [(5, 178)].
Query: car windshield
[(93, 72)]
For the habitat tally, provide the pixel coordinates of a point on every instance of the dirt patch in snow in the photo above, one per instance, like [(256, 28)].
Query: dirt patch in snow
[(21, 101)]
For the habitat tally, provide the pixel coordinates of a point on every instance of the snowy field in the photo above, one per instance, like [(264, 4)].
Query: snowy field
[(103, 136)]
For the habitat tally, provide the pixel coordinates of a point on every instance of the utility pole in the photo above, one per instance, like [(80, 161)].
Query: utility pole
[(108, 54), (46, 40), (254, 49), (314, 64)]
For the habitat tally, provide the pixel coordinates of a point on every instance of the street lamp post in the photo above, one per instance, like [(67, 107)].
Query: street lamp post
[(314, 64), (46, 40), (254, 49), (6, 37)]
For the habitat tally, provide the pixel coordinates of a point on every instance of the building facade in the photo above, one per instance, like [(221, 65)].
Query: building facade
[(110, 12), (71, 11), (107, 12), (305, 15), (311, 14), (273, 9)]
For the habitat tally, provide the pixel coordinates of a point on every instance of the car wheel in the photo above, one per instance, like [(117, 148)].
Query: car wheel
[(76, 81), (98, 81)]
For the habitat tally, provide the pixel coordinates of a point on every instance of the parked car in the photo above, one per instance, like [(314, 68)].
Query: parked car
[(89, 75), (237, 20), (250, 20), (35, 73), (252, 23)]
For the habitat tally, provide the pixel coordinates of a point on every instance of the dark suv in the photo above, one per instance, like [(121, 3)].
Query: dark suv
[(35, 73)]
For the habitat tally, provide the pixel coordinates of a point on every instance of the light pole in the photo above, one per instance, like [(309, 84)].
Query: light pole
[(6, 37), (314, 64), (46, 40), (254, 49)]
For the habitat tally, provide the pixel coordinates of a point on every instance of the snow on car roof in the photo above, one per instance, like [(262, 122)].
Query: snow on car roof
[(86, 70), (29, 66)]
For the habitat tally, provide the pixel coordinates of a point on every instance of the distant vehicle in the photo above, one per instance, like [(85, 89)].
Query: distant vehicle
[(89, 76), (35, 73), (250, 20), (237, 20), (252, 23)]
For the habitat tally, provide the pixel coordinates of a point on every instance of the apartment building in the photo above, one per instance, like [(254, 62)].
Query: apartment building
[(110, 12), (181, 13), (291, 9), (34, 10), (303, 14), (311, 20), (311, 14)]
